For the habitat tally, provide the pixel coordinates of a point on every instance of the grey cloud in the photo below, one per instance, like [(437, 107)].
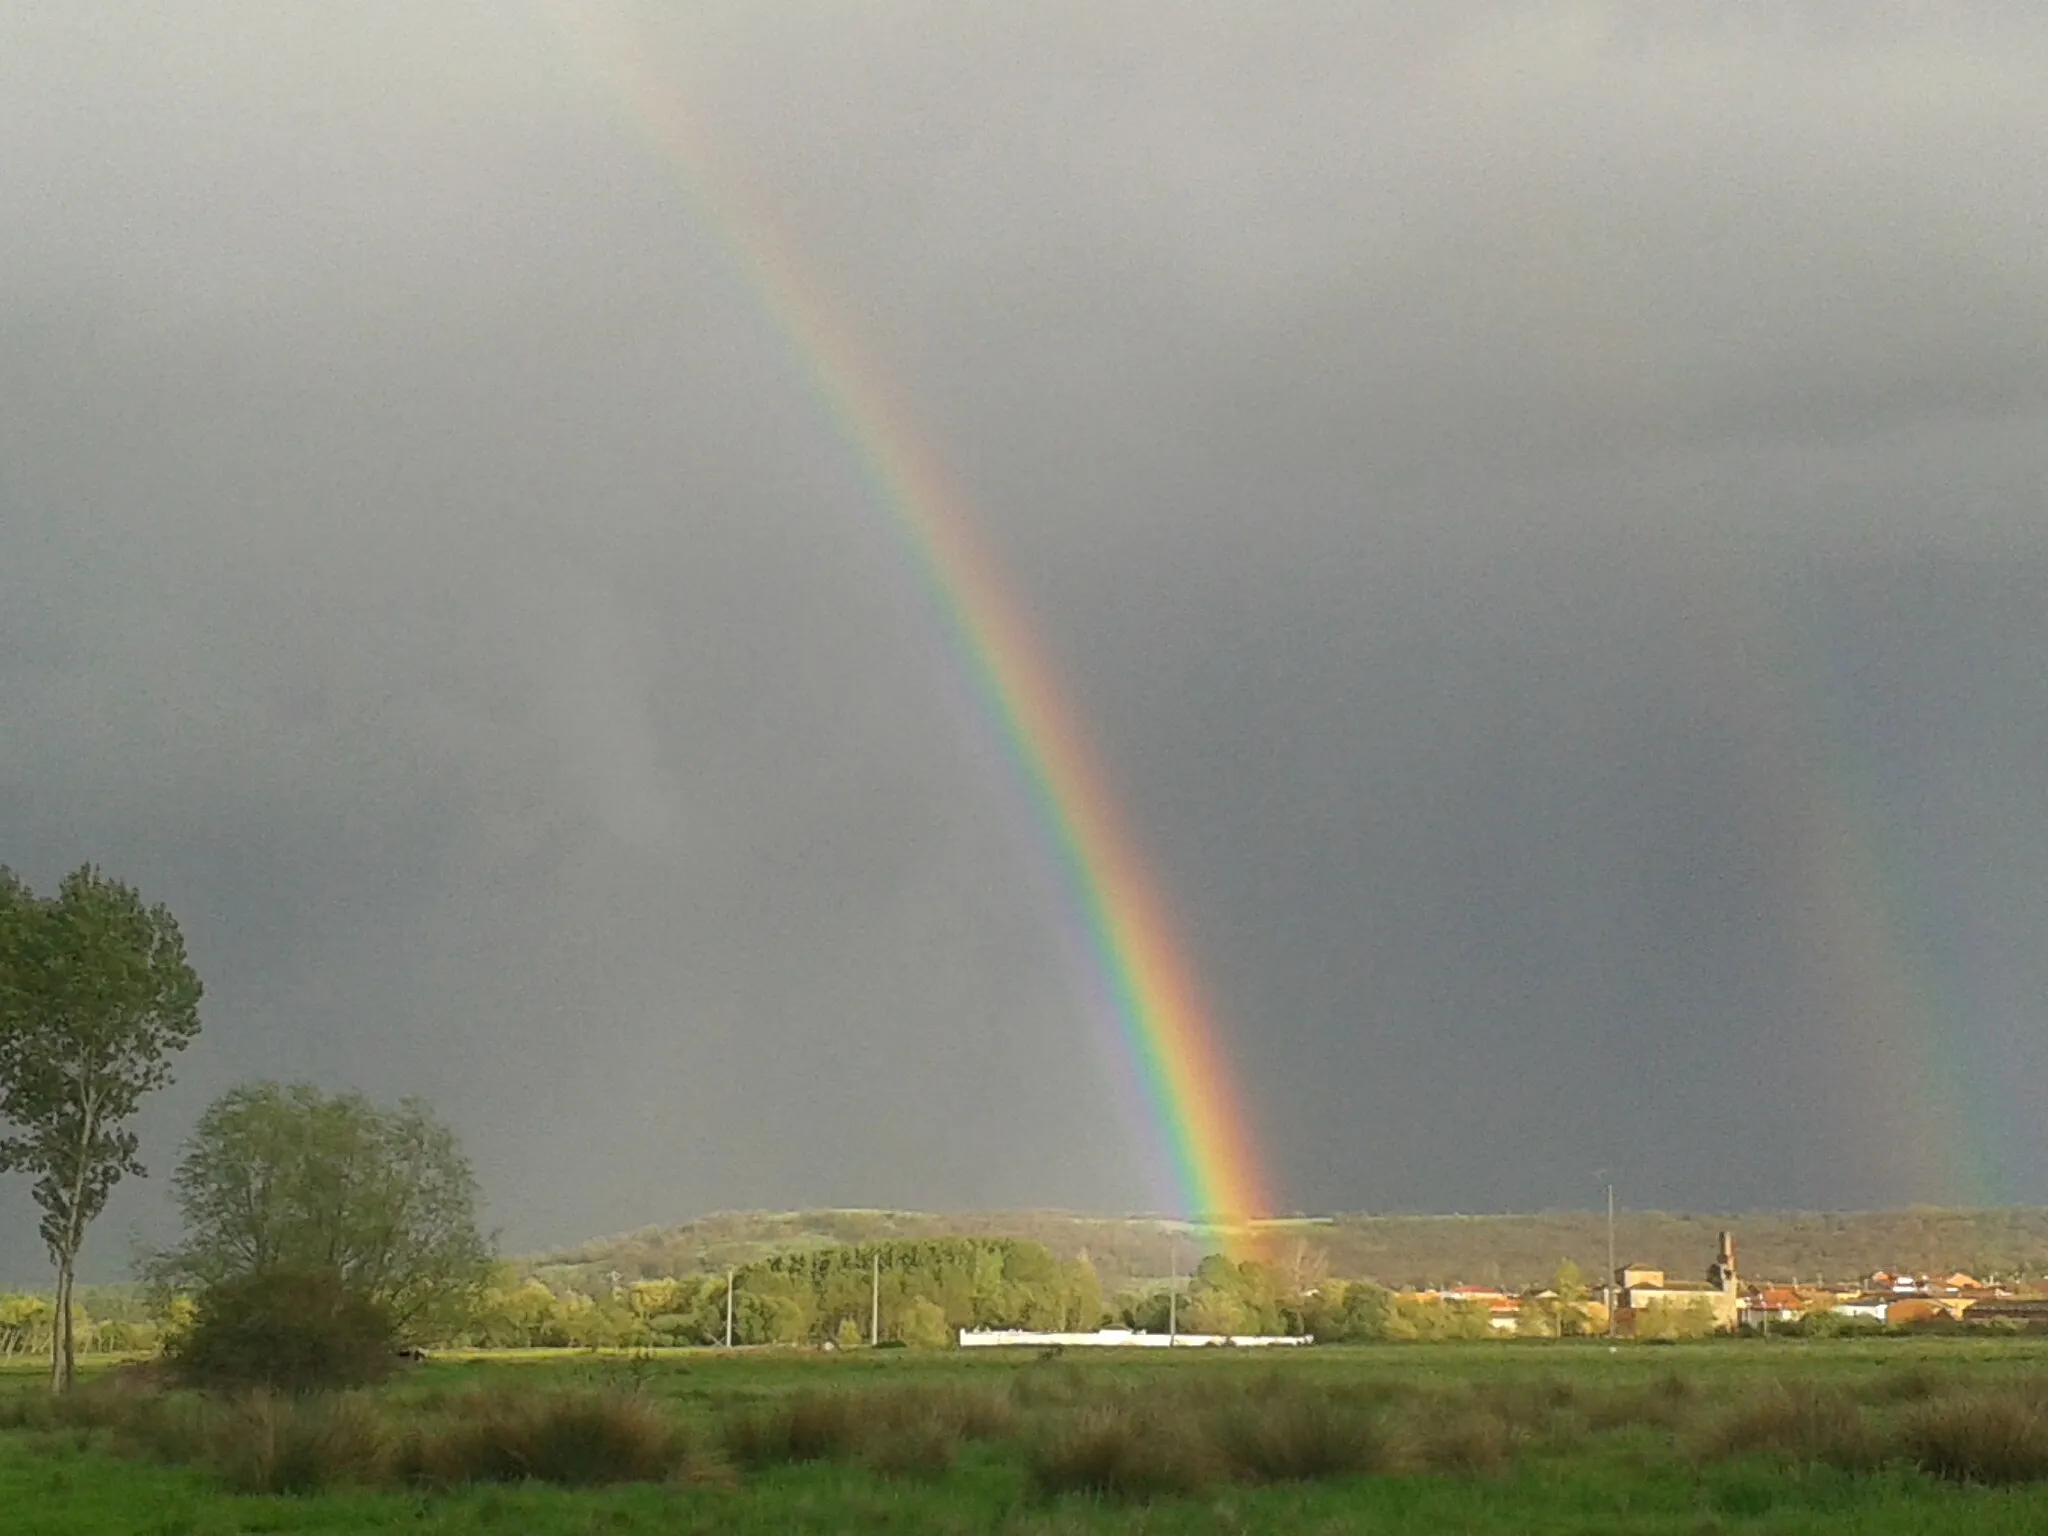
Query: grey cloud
[(1487, 476)]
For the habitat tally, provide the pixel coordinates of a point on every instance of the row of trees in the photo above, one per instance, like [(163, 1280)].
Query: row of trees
[(919, 1292), (28, 1325)]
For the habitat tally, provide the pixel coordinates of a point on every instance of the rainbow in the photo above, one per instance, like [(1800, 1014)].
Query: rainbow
[(1898, 1079), (1145, 977)]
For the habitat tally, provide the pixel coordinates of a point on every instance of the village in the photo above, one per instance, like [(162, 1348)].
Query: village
[(1646, 1301)]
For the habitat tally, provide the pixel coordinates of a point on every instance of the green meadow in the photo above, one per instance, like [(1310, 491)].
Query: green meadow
[(1824, 1436)]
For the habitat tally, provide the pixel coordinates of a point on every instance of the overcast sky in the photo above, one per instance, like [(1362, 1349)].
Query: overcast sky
[(1540, 506)]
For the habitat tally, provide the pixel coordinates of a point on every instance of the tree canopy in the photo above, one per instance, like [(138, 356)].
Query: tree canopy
[(96, 996), (285, 1178)]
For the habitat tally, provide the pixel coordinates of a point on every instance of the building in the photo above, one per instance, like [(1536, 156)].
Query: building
[(1765, 1305), (1640, 1287), (1123, 1338)]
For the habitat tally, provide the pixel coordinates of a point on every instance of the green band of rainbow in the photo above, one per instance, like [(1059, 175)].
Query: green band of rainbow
[(1192, 1104)]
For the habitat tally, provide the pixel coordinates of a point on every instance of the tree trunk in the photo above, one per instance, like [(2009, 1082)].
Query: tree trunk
[(63, 1354), (63, 1346)]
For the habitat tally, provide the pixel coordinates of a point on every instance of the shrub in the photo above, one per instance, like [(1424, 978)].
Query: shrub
[(806, 1426), (967, 1412), (1987, 1438), (1904, 1384), (1122, 1451), (921, 1448), (1049, 1379), (292, 1331), (264, 1443), (1297, 1435), (1462, 1439), (1801, 1423), (575, 1440)]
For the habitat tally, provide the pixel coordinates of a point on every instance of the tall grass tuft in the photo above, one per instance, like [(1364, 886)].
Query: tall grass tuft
[(1982, 1438), (1296, 1435), (268, 1443), (1121, 1450), (1465, 1438), (1049, 1381), (1802, 1423), (916, 1448), (575, 1440), (916, 1431), (806, 1426)]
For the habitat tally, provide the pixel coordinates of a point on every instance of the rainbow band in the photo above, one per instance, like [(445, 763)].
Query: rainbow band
[(1150, 985)]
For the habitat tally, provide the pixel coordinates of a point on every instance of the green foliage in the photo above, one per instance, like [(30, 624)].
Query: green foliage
[(809, 1296), (1429, 1320), (288, 1178), (96, 996), (1353, 1312), (25, 1325), (1670, 1320), (285, 1330), (924, 1325)]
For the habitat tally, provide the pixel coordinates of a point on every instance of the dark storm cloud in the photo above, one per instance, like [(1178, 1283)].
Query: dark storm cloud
[(1488, 473)]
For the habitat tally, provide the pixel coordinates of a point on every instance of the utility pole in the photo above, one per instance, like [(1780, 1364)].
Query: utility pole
[(875, 1302), (728, 1307), (1611, 1275)]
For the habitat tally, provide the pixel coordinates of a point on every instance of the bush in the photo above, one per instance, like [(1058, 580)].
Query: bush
[(269, 1444), (291, 1331), (1122, 1451), (574, 1440), (1464, 1439), (1297, 1435), (1802, 1424), (1980, 1439), (807, 1426), (920, 1448)]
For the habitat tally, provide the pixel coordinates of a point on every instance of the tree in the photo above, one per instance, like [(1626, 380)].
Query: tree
[(1569, 1282), (924, 1325), (96, 996), (280, 1177)]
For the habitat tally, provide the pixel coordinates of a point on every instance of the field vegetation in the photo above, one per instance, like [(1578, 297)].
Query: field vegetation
[(1511, 1251), (1730, 1435)]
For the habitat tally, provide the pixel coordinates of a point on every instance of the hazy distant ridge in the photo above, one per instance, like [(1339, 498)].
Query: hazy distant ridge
[(1509, 1250)]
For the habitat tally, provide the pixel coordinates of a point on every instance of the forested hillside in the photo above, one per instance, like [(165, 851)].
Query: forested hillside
[(1511, 1251)]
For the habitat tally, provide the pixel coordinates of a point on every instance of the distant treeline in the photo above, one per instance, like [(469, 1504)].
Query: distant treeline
[(920, 1292), (1512, 1252), (108, 1319)]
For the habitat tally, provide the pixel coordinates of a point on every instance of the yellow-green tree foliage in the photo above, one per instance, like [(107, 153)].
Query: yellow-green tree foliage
[(1672, 1320), (924, 1326)]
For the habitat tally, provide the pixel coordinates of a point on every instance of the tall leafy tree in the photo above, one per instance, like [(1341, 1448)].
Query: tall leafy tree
[(281, 1177), (96, 996)]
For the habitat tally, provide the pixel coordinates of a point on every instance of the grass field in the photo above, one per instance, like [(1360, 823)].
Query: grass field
[(1737, 1436)]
